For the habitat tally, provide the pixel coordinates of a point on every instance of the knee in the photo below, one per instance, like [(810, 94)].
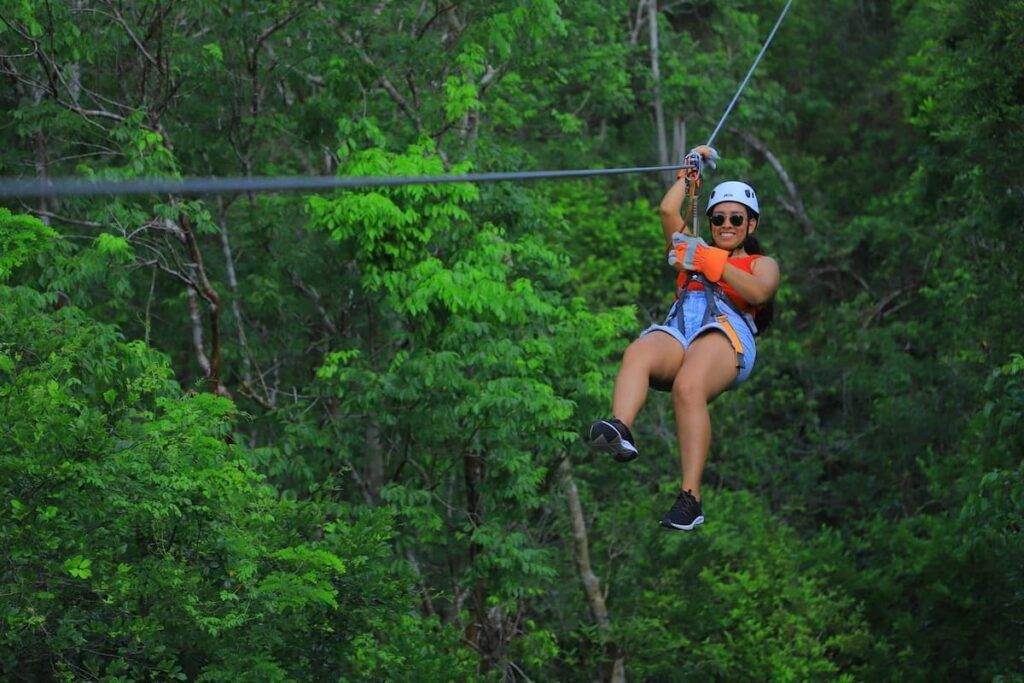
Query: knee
[(687, 391)]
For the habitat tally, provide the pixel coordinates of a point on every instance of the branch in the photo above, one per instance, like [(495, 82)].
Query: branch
[(438, 13), (313, 296), (159, 261), (795, 206), (197, 331), (131, 34), (236, 308), (63, 219), (815, 272), (879, 310), (383, 79), (51, 69), (634, 33), (154, 223), (271, 30), (248, 391), (426, 604), (53, 76), (454, 23)]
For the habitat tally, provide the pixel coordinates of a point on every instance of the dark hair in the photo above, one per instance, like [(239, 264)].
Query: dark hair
[(765, 313)]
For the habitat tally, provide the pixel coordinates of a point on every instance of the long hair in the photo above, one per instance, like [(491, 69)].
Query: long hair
[(765, 313)]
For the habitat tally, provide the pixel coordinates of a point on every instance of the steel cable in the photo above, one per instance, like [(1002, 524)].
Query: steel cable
[(72, 187), (750, 72)]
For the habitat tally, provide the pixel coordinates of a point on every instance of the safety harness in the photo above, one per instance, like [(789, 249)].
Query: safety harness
[(713, 296)]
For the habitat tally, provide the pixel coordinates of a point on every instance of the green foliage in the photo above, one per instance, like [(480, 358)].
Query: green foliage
[(482, 335), (959, 558), (408, 366), (120, 492), (20, 237), (741, 599)]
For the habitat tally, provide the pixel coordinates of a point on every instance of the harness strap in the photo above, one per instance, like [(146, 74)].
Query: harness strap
[(693, 168), (734, 339), (713, 314)]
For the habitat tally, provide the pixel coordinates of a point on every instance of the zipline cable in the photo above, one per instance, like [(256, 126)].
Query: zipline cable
[(750, 72), (214, 184), (77, 187)]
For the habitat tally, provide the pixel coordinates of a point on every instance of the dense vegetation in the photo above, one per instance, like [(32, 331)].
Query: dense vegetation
[(336, 436)]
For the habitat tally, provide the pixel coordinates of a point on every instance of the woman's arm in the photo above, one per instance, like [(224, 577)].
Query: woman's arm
[(758, 286), (671, 211)]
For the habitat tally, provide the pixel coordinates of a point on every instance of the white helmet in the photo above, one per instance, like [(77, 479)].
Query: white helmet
[(733, 191)]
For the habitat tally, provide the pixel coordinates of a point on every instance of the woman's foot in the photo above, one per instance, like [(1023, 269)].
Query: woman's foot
[(685, 514), (614, 437)]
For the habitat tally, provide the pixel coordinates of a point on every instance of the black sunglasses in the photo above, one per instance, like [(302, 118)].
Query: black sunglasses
[(736, 219)]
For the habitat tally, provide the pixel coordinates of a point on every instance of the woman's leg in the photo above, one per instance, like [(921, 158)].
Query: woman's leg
[(656, 354), (709, 369)]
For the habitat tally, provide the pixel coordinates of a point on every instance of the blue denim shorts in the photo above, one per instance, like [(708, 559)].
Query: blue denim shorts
[(691, 309)]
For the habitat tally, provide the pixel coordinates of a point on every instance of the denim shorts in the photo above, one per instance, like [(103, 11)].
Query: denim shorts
[(691, 308)]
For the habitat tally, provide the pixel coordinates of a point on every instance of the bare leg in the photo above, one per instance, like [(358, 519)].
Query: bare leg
[(709, 369), (656, 355)]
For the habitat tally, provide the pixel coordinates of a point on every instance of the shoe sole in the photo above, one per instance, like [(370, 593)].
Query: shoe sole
[(683, 527), (605, 437)]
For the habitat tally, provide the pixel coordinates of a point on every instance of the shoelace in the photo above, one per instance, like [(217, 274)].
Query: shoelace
[(685, 502)]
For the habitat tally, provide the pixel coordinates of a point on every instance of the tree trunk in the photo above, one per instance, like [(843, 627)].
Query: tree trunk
[(371, 431), (41, 162), (659, 110), (591, 584), (678, 140), (479, 631), (236, 307), (206, 290)]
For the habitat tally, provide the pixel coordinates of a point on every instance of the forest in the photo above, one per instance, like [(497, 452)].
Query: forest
[(337, 435)]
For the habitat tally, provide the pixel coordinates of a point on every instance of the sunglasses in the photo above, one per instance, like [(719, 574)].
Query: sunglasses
[(735, 219)]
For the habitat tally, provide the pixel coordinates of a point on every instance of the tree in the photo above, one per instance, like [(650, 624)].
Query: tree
[(139, 542)]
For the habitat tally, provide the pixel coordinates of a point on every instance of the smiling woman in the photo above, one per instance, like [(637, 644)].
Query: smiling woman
[(706, 344)]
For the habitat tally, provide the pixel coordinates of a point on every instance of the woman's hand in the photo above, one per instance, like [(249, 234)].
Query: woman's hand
[(708, 154), (692, 253)]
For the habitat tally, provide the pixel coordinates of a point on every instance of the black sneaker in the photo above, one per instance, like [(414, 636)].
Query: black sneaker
[(685, 513), (612, 436)]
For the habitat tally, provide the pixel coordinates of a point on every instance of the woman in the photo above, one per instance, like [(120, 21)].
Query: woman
[(699, 351)]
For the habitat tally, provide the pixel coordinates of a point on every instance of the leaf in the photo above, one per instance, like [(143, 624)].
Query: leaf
[(21, 237), (78, 567), (213, 49), (114, 246)]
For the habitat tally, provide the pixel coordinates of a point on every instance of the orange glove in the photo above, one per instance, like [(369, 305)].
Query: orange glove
[(691, 253)]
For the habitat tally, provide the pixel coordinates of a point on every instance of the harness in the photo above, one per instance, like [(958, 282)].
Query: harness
[(713, 296)]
